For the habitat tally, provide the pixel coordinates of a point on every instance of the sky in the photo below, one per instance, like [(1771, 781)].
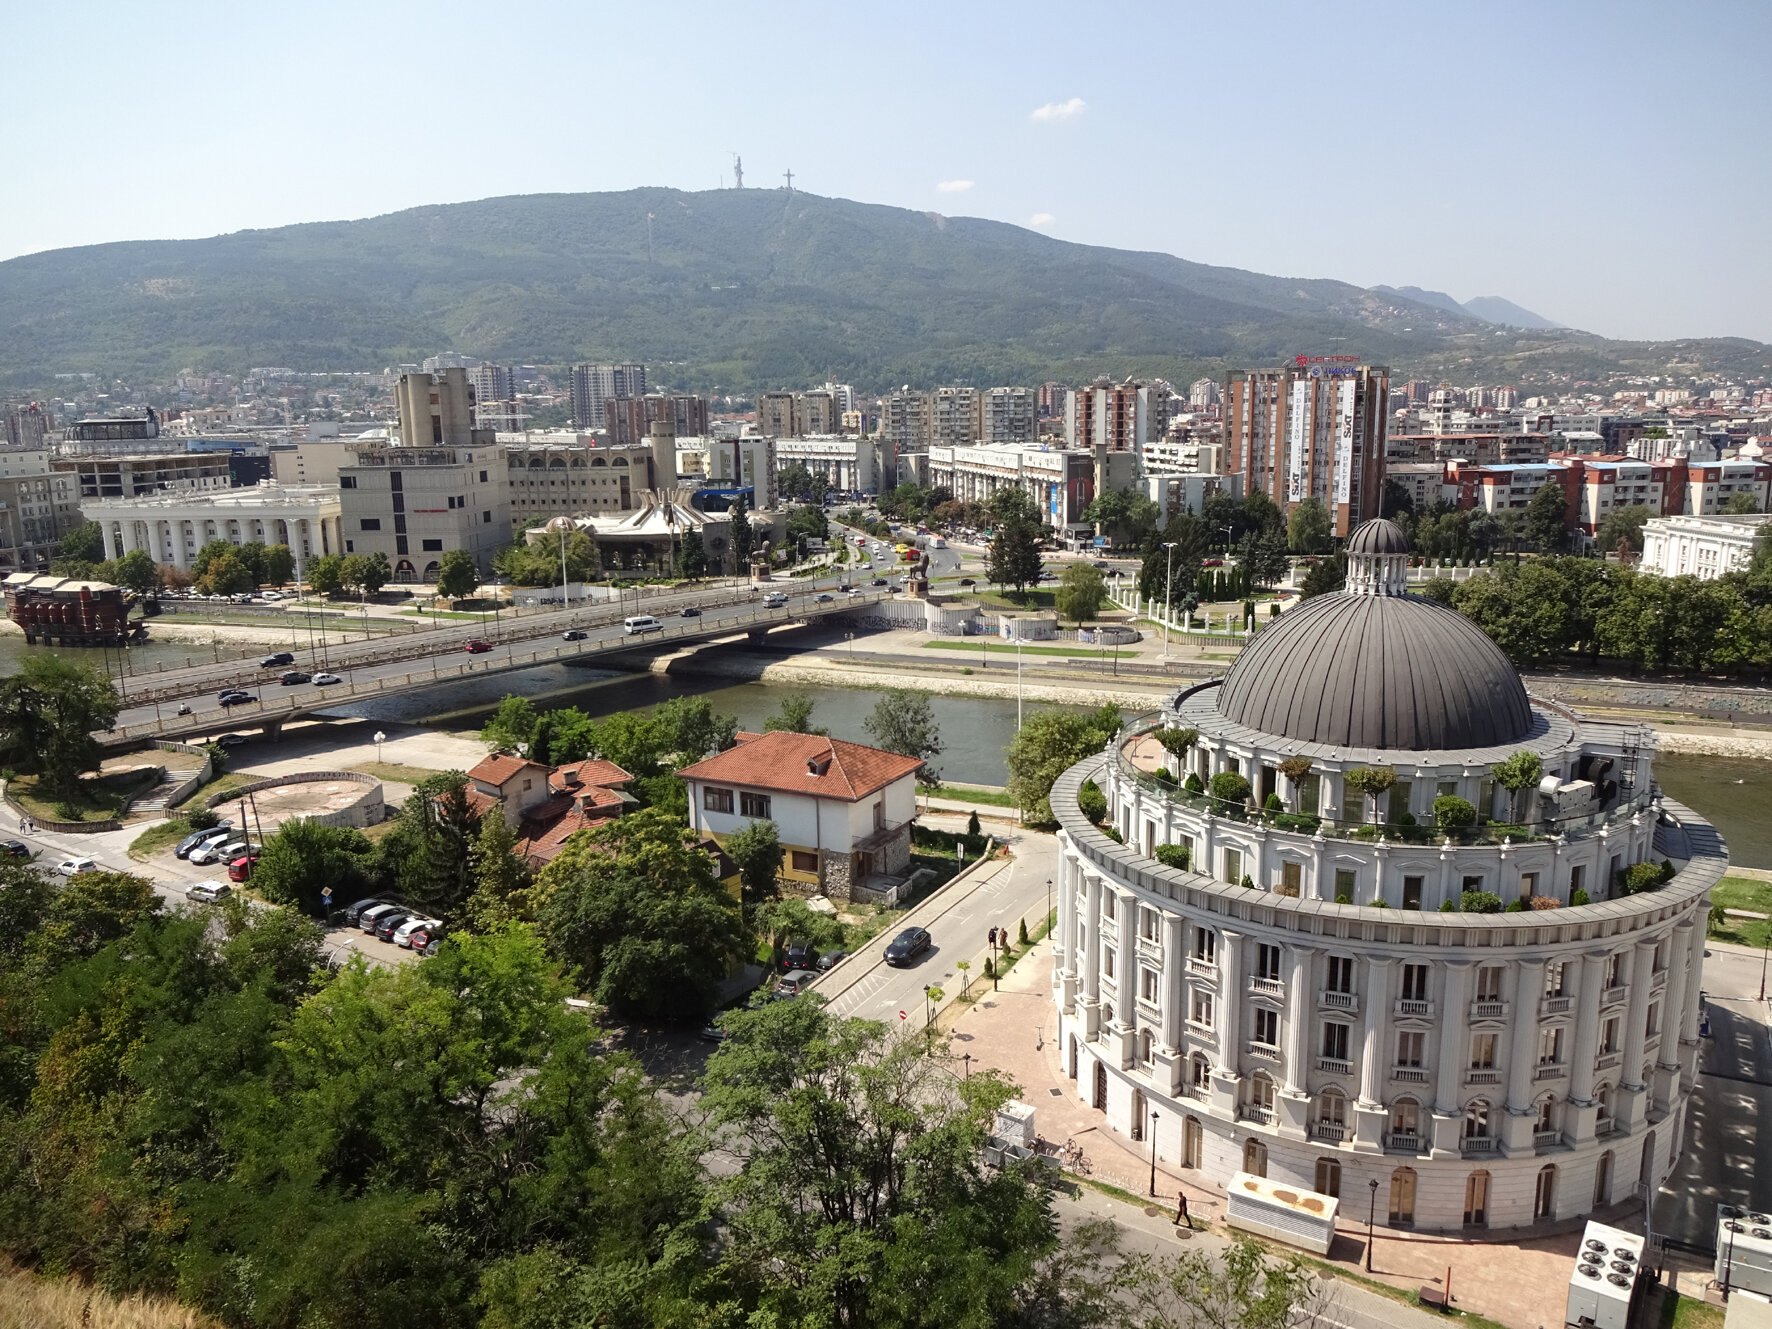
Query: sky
[(1605, 165)]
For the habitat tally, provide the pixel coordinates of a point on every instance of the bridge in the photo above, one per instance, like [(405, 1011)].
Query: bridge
[(386, 668)]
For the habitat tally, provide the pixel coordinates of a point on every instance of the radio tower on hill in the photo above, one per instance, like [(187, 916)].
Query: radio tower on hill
[(737, 171)]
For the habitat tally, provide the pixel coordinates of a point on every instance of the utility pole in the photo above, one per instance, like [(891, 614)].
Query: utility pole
[(737, 171), (1168, 593)]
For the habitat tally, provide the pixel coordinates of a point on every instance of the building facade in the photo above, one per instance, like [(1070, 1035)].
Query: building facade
[(1311, 431), (1060, 481), (593, 385), (1305, 998), (415, 504), (172, 527), (1700, 546), (953, 417), (849, 463), (1121, 417), (906, 421), (573, 475), (1007, 416)]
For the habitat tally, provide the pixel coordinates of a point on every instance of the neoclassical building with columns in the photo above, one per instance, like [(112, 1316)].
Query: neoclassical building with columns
[(1296, 989), (173, 526)]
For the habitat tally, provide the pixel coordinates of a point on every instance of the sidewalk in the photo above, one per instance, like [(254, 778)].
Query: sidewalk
[(1520, 1283)]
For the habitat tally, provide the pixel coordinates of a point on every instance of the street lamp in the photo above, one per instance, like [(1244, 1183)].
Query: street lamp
[(928, 1006), (1049, 924), (560, 526), (1371, 1215), (1153, 1154), (379, 738), (1168, 592)]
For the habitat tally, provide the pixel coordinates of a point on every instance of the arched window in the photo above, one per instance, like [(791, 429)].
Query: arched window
[(1603, 1181), (1138, 1114), (1261, 1092), (1200, 1071), (1328, 1177), (1107, 1012), (1255, 1158), (1603, 1107), (1544, 1197), (1146, 1047), (1476, 1120), (1406, 1119), (597, 463)]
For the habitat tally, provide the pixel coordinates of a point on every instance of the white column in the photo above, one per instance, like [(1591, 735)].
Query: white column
[(111, 549), (1298, 1007), (1587, 1028), (1174, 989), (1521, 1045), (1694, 984), (1450, 1056), (1642, 972), (1230, 1000), (1091, 940), (1673, 1000), (1378, 975), (1126, 968)]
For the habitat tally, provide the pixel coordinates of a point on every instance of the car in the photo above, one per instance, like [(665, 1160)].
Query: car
[(797, 954), (968, 581), (476, 646), (852, 590), (794, 982), (208, 892), (220, 831), (690, 611), (829, 960), (712, 1033), (824, 597), (1100, 563), (879, 581), (277, 660), (73, 867), (1047, 574), (295, 676), (403, 935), (326, 680), (225, 693), (1212, 562), (225, 851), (231, 741), (390, 924), (574, 634), (240, 869), (236, 698), (272, 596), (15, 848), (434, 945), (352, 913), (420, 937), (775, 600), (907, 946), (375, 913)]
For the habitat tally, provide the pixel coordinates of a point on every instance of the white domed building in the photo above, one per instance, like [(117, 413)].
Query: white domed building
[(1304, 998)]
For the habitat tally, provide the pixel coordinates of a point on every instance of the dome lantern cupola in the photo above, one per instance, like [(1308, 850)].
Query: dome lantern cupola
[(1378, 559)]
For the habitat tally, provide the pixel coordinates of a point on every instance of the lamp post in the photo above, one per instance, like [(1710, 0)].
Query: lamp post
[(379, 739), (1049, 926), (928, 1006), (967, 1058), (1763, 950), (560, 526), (1371, 1216), (1153, 1154), (1168, 592)]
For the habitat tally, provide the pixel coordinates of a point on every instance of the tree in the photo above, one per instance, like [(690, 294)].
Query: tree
[(1370, 781), (1014, 557), (1323, 576), (1128, 518), (84, 544), (635, 906), (1262, 556), (1397, 500), (1181, 565), (1520, 772), (49, 709), (796, 481), (757, 853), (304, 857), (1545, 524), (326, 574), (807, 523), (741, 539), (692, 556), (511, 727), (1309, 531), (428, 859), (501, 878), (1049, 744), (137, 571), (794, 716), (538, 564), (1260, 514), (1622, 528), (375, 573), (278, 566), (1739, 505), (1242, 1287), (226, 575), (175, 578), (903, 721), (1081, 592), (457, 577), (690, 728)]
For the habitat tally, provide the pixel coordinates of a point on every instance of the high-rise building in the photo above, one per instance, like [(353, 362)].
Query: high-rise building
[(29, 425), (953, 417), (1121, 417), (1202, 394), (1007, 415), (1311, 430), (905, 420), (1417, 390), (1051, 400), (592, 385), (629, 420), (775, 415)]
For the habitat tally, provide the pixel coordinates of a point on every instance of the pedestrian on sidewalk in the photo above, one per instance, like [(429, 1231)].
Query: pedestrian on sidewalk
[(993, 936), (1181, 1214)]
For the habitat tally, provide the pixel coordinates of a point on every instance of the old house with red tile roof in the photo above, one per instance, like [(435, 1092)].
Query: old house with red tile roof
[(843, 810), (546, 806)]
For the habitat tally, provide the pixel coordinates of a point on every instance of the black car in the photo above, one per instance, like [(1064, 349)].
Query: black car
[(277, 660), (15, 848), (798, 954), (880, 581), (295, 676), (352, 914), (907, 946), (196, 838), (830, 960), (573, 634), (967, 581), (235, 697), (389, 924), (690, 611)]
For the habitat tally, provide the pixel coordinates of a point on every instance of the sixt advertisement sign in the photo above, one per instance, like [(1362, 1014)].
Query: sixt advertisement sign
[(1328, 366)]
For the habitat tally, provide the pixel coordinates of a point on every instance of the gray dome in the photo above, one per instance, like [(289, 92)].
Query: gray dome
[(1378, 536), (1377, 671)]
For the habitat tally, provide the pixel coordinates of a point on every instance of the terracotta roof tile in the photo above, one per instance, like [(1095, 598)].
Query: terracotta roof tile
[(778, 762), (591, 771), (499, 767)]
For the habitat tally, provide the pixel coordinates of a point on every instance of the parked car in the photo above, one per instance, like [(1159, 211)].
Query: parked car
[(476, 646), (434, 945), (373, 915), (231, 741), (73, 867), (276, 660), (15, 848), (829, 960), (352, 914), (712, 1033), (574, 634), (208, 892), (387, 926), (326, 680), (690, 611), (797, 954), (415, 925), (240, 869), (214, 852), (220, 831), (907, 946), (235, 698), (794, 982), (272, 596), (295, 676)]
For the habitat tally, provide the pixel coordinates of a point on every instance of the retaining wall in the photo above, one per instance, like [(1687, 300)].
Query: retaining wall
[(366, 810)]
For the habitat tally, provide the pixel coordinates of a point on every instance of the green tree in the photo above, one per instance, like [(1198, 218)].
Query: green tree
[(1014, 556), (794, 716), (428, 858), (1262, 556), (326, 574), (796, 481), (1081, 593), (501, 878), (85, 543), (1545, 525), (740, 538), (692, 556), (903, 721), (49, 710), (304, 857), (511, 727), (1309, 531), (1047, 745), (1520, 772), (1370, 782), (757, 852), (807, 523), (252, 558), (278, 565), (457, 577), (1181, 566), (1739, 505), (226, 575), (635, 906), (1397, 501), (1128, 518), (1261, 515), (375, 573), (1323, 576), (1622, 528), (689, 728), (1011, 505), (137, 571)]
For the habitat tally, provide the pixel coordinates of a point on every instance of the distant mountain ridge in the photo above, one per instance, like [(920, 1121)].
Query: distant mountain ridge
[(736, 290), (1489, 308)]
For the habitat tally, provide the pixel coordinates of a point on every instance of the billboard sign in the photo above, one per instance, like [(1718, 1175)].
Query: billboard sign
[(1344, 441), (1296, 440)]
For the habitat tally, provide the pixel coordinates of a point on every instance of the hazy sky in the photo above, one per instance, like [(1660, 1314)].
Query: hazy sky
[(1608, 165)]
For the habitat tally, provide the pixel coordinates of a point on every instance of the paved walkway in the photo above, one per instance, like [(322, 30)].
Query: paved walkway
[(1520, 1283)]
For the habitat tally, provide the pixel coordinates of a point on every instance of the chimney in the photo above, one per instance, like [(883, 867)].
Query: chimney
[(571, 779)]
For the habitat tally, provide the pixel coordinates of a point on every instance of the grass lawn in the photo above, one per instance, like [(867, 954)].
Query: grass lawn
[(388, 770), (100, 799), (1035, 599), (222, 784), (161, 835), (1006, 650), (447, 613), (995, 798), (1743, 893)]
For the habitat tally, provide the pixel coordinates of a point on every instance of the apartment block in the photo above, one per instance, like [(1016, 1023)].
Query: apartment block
[(1007, 415), (849, 463), (29, 426), (1121, 417), (906, 421), (775, 415), (628, 421), (1311, 430), (953, 417), (818, 412), (593, 385)]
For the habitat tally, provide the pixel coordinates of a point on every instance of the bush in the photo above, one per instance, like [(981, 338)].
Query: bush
[(1297, 821), (1381, 903), (1113, 835), (1192, 784), (1407, 819), (1452, 812), (1640, 877), (1229, 787), (1479, 902), (1090, 801), (1342, 898), (1578, 896), (1668, 871), (1165, 775), (1247, 883), (1544, 902), (1273, 804), (1447, 908), (202, 819), (1515, 906), (1172, 856)]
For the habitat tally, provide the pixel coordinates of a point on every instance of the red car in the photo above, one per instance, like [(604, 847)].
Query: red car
[(241, 868), (476, 646)]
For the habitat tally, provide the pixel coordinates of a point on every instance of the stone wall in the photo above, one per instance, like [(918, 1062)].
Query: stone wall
[(367, 809)]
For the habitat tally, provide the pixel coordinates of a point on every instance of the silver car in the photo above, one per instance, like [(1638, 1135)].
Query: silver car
[(208, 892)]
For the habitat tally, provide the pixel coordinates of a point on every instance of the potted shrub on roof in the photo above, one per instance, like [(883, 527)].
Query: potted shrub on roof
[(1370, 782), (1295, 769), (1519, 772), (1231, 792)]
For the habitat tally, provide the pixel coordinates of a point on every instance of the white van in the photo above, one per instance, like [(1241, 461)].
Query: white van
[(640, 623), (775, 600)]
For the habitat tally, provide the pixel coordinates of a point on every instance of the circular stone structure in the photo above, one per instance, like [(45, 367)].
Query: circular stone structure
[(1304, 998)]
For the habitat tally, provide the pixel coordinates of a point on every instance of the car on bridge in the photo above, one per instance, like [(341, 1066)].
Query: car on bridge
[(277, 660), (326, 680), (477, 647), (690, 611), (573, 634), (234, 697), (294, 677), (824, 597)]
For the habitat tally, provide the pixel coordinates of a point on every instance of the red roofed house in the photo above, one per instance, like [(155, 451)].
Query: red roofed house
[(843, 810), (515, 782), (545, 807)]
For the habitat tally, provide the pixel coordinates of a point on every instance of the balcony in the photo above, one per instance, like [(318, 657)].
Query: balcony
[(1409, 1074), (1414, 1006), (1335, 1065), (1331, 1132), (1607, 1060), (1546, 1139), (1339, 1001), (1259, 1115), (1550, 1070), (1554, 1005), (1402, 1142), (1202, 968), (1262, 1051), (1483, 1009), (1477, 1144), (1484, 1076), (1612, 996), (1267, 987)]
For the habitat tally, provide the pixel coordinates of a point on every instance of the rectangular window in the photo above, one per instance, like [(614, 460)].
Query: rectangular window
[(1489, 983), (1267, 1027), (1107, 906), (1233, 867), (399, 524), (1267, 961), (347, 482), (432, 546), (1205, 944), (1107, 964), (1652, 1025), (805, 861), (1150, 923), (1577, 875), (1341, 973), (395, 481), (400, 545), (1446, 789), (1309, 794), (399, 502), (1483, 1052), (1415, 982), (482, 477), (753, 805), (1399, 802), (716, 800), (370, 523), (1346, 882), (1553, 979), (1147, 984), (1291, 879), (1609, 1036), (1471, 884), (486, 517), (1409, 1044), (1412, 892), (1335, 1040), (1550, 1047), (1201, 1010), (1612, 961), (350, 546)]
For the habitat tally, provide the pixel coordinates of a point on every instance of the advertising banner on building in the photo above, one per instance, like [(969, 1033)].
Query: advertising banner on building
[(1296, 436), (1344, 440)]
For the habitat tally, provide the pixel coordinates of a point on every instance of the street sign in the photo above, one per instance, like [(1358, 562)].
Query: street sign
[(902, 1015)]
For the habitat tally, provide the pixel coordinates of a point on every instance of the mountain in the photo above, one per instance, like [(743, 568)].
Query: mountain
[(736, 289), (1506, 312), (1435, 299)]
